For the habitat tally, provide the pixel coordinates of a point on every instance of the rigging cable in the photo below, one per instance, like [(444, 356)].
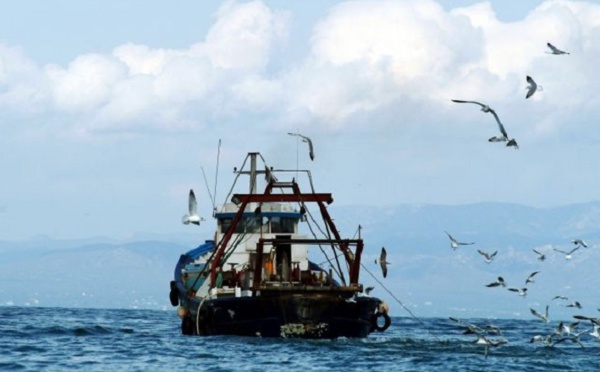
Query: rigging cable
[(401, 304)]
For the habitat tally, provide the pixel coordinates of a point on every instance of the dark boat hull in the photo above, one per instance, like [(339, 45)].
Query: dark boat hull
[(284, 315)]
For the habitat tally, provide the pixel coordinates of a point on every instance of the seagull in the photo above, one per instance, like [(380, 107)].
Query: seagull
[(532, 87), (488, 257), (574, 339), (487, 343), (595, 321), (579, 242), (485, 108), (499, 282), (568, 255), (530, 277), (568, 329), (545, 340), (595, 333), (382, 262), (193, 216), (311, 151), (454, 243), (541, 256), (555, 50), (471, 328), (543, 317), (522, 292), (560, 298), (574, 304)]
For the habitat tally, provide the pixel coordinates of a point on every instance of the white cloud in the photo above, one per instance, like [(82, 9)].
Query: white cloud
[(243, 35), (86, 84), (21, 83), (389, 58), (140, 59)]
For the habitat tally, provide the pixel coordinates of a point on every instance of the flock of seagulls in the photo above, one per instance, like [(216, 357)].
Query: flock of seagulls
[(562, 333), (532, 87)]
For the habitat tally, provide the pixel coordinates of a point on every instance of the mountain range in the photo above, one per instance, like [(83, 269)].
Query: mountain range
[(426, 276)]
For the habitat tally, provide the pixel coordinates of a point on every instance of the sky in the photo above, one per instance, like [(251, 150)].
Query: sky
[(110, 110)]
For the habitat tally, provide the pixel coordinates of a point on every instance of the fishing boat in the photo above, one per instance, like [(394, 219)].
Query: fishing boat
[(258, 277)]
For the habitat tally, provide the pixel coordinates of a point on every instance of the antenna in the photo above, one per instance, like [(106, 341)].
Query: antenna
[(217, 171), (212, 199)]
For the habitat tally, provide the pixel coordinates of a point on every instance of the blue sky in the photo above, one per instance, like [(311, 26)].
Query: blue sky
[(109, 109)]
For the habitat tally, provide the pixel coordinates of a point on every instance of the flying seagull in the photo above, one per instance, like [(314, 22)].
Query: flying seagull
[(568, 255), (192, 216), (488, 257), (555, 50), (541, 256), (487, 343), (532, 87), (574, 304), (579, 242), (382, 261), (454, 243), (311, 151), (499, 282), (544, 340), (530, 277), (543, 317), (521, 292), (504, 138)]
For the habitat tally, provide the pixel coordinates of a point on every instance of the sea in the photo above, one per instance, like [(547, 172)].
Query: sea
[(59, 339)]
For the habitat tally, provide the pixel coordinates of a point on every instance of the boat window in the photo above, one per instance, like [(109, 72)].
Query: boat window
[(226, 222), (276, 224), (287, 225), (253, 224)]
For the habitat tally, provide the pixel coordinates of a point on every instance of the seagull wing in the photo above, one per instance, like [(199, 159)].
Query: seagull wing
[(532, 274), (484, 254), (561, 251), (532, 87), (451, 238), (553, 48), (500, 126), (192, 204), (311, 151), (493, 284), (535, 313), (475, 102), (573, 250)]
